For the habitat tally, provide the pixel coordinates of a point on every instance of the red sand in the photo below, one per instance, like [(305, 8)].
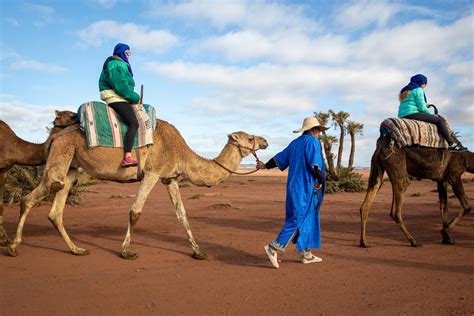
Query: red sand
[(232, 222)]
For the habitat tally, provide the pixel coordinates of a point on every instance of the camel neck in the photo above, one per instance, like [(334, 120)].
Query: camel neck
[(206, 172)]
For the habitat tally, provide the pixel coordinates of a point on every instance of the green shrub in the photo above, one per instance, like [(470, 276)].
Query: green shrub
[(22, 180), (346, 181)]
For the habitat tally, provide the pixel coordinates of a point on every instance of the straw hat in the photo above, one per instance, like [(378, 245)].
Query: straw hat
[(308, 123)]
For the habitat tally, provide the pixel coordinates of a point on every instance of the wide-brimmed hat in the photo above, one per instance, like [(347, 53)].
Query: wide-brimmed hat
[(310, 122)]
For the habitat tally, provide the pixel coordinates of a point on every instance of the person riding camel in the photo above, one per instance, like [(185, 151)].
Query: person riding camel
[(413, 105), (116, 86)]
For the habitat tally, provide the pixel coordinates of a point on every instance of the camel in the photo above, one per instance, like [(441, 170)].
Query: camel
[(168, 159), (16, 151), (436, 164)]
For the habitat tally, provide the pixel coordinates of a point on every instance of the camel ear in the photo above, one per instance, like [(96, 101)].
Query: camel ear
[(234, 136), (57, 113)]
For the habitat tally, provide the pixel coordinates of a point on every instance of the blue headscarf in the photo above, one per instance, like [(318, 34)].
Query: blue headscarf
[(415, 82), (119, 50)]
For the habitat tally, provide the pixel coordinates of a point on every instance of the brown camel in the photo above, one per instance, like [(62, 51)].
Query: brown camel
[(168, 160), (16, 151), (436, 164)]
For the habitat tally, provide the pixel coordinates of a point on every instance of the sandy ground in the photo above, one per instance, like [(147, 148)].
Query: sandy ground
[(232, 222)]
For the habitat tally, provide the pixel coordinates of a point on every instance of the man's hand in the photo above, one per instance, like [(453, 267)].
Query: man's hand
[(260, 165), (318, 186)]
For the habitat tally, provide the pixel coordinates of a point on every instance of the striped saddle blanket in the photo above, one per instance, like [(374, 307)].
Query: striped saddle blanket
[(104, 127), (406, 132)]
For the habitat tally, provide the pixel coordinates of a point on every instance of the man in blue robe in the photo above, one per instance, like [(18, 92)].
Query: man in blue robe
[(304, 192)]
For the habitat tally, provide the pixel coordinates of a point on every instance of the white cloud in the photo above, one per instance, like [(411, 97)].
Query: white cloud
[(28, 121), (18, 61), (107, 4), (361, 14), (137, 36), (12, 21), (29, 64), (364, 13), (284, 47), (419, 42), (44, 14), (258, 15)]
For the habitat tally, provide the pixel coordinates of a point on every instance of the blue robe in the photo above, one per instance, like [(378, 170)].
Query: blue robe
[(302, 200)]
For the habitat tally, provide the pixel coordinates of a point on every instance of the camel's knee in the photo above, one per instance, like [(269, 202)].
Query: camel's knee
[(26, 204), (134, 216), (466, 211), (396, 218), (56, 186)]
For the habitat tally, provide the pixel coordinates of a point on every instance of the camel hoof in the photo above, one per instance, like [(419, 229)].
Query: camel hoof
[(80, 252), (13, 252), (4, 241), (446, 239), (363, 245), (200, 255), (415, 244), (129, 255)]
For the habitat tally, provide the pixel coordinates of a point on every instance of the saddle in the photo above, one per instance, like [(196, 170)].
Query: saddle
[(104, 127), (407, 132)]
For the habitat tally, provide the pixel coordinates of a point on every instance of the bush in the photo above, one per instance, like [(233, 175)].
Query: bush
[(22, 180), (346, 181)]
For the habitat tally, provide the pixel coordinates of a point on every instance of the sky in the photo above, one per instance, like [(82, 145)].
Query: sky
[(215, 67)]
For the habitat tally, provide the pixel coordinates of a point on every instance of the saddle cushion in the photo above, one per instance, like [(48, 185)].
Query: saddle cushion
[(104, 127), (406, 132)]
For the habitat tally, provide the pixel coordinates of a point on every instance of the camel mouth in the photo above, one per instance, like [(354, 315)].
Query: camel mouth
[(263, 144)]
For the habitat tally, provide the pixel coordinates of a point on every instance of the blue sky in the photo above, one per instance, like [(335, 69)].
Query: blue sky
[(215, 67)]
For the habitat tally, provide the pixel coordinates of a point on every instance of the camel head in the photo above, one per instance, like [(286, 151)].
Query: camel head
[(247, 143), (65, 118)]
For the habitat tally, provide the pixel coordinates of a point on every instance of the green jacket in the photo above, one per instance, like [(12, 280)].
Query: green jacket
[(414, 103), (116, 83)]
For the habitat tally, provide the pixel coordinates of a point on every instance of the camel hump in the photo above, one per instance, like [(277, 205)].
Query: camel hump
[(407, 132), (104, 127)]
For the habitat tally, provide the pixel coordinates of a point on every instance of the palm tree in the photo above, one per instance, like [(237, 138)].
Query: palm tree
[(328, 141), (353, 128), (340, 119)]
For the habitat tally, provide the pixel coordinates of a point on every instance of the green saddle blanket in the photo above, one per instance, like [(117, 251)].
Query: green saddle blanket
[(104, 127)]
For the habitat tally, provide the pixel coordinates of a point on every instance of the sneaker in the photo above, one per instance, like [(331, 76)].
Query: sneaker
[(311, 259), (272, 255), (457, 148), (129, 162)]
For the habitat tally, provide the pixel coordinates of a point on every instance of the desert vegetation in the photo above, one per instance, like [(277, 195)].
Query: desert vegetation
[(340, 178)]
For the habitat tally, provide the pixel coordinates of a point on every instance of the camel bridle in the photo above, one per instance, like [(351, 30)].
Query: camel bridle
[(252, 150)]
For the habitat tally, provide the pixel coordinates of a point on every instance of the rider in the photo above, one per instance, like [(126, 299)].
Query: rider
[(116, 89), (413, 106)]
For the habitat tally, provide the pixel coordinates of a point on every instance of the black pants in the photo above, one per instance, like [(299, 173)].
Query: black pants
[(126, 112), (433, 119)]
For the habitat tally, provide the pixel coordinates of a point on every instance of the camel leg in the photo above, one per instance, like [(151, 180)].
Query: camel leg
[(4, 239), (398, 190), (148, 182), (27, 203), (53, 181), (375, 182), (458, 190), (443, 205), (56, 214), (173, 190)]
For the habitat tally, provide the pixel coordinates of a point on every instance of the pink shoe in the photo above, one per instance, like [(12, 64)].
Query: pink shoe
[(129, 162)]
